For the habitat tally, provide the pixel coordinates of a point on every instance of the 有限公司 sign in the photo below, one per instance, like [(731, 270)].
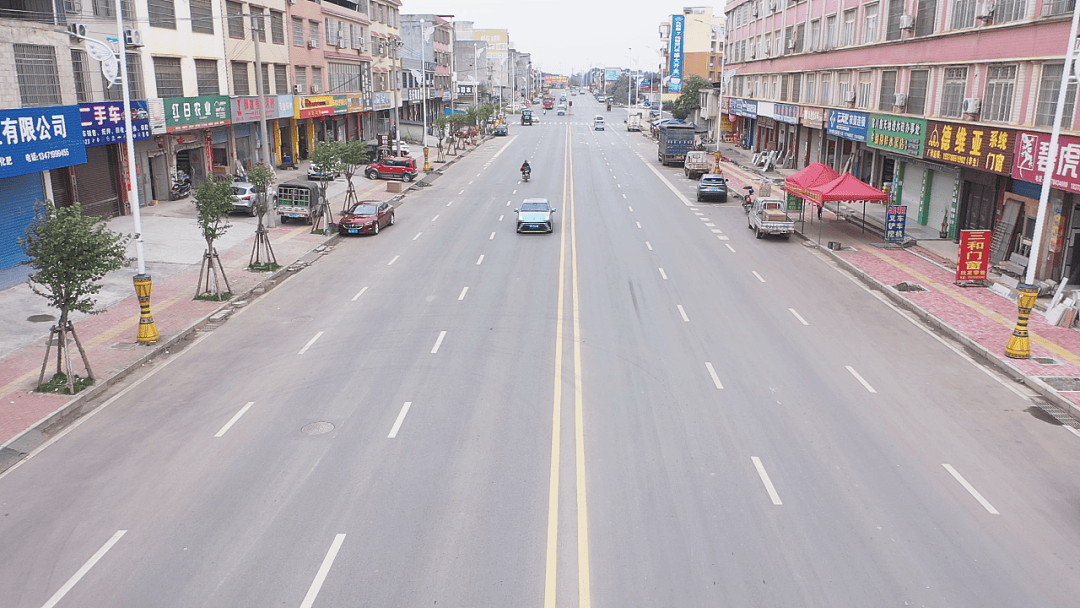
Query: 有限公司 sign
[(675, 64), (38, 139), (183, 113)]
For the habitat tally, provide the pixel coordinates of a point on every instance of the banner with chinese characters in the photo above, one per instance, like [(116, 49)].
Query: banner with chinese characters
[(1031, 155), (251, 108), (895, 223), (976, 146), (184, 113), (849, 125), (38, 139), (675, 54), (974, 255), (897, 134), (103, 122)]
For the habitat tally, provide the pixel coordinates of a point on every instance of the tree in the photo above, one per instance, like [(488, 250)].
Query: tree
[(213, 202), (352, 156), (262, 254), (441, 122), (70, 253), (619, 90), (326, 158), (688, 101)]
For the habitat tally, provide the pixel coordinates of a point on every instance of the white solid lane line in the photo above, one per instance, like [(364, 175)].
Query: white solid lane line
[(492, 236), (418, 235), (324, 569), (663, 274), (798, 316), (481, 259), (682, 312), (394, 259), (438, 342), (649, 245), (62, 591), (728, 245), (400, 419), (765, 479), (233, 420), (310, 342), (435, 218), (967, 486), (463, 291), (759, 277), (860, 379), (712, 373), (359, 293)]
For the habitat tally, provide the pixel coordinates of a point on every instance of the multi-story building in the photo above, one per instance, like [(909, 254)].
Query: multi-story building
[(697, 48), (429, 55), (470, 70), (948, 105), (386, 70)]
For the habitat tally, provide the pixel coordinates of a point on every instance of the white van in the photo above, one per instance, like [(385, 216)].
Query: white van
[(598, 123)]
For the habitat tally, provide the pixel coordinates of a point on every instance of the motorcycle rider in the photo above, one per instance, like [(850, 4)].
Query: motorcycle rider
[(526, 168)]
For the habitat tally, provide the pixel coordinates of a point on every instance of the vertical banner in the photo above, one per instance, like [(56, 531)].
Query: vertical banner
[(895, 223), (675, 54), (974, 255)]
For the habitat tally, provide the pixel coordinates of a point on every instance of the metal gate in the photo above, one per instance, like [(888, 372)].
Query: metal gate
[(95, 182), (20, 194)]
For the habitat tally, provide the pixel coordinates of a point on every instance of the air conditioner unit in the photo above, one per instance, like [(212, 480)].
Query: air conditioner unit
[(77, 29), (772, 6), (984, 10), (899, 100), (314, 88), (133, 38), (754, 9), (907, 22), (768, 50), (791, 44), (752, 52), (312, 44), (849, 96), (972, 105), (298, 89), (292, 1)]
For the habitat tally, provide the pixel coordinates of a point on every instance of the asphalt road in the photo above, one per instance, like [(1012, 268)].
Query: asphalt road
[(648, 407)]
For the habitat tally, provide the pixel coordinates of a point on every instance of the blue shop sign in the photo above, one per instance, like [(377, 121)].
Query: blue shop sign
[(849, 125), (744, 107), (786, 113), (103, 122), (39, 139)]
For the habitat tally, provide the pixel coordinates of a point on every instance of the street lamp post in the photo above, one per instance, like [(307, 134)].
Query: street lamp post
[(423, 102), (629, 79), (476, 77)]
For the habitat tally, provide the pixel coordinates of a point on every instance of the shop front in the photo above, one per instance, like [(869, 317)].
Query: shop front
[(246, 141), (847, 133), (812, 138), (896, 145), (313, 121), (97, 184), (1060, 254), (198, 136), (743, 115), (787, 135)]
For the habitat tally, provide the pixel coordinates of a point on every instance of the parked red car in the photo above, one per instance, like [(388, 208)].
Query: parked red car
[(392, 167), (366, 217)]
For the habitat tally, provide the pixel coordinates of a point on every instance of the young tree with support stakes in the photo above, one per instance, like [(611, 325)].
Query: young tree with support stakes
[(353, 155), (326, 158), (214, 201), (441, 122), (70, 253), (262, 254)]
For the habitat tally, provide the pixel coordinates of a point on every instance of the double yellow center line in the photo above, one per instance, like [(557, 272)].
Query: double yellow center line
[(569, 225)]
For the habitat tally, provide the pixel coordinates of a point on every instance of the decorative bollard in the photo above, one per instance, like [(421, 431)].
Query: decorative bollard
[(1019, 346), (147, 329)]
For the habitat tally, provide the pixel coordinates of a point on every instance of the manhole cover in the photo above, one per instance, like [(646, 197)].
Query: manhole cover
[(906, 286), (303, 319), (1045, 360), (40, 318), (317, 428), (1061, 383)]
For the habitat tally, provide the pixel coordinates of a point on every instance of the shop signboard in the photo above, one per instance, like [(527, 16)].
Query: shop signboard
[(156, 108), (898, 134), (354, 102), (383, 101), (103, 122), (38, 139), (975, 146), (314, 105), (1032, 153), (249, 108), (611, 74), (974, 255), (744, 107), (794, 203), (675, 53), (184, 113), (849, 125), (786, 113), (813, 118), (895, 223), (285, 105)]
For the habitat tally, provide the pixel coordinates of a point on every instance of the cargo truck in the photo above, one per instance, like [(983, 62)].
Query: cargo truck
[(675, 140)]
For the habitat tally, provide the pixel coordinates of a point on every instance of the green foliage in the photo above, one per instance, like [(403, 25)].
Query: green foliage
[(264, 267), (70, 253), (261, 176), (688, 101), (215, 297), (619, 90), (441, 122), (214, 201), (326, 157), (59, 384), (352, 155)]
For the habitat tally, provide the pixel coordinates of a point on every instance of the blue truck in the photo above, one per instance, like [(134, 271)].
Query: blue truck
[(674, 141)]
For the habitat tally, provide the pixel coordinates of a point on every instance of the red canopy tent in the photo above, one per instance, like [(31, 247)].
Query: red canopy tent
[(846, 188), (813, 175)]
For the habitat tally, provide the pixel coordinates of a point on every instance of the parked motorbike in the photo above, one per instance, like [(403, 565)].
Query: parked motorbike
[(525, 175), (181, 186), (748, 198)]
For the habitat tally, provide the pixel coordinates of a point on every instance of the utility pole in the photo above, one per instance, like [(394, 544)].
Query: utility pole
[(271, 214), (396, 84)]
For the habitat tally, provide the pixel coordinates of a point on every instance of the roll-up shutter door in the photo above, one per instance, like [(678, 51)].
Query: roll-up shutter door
[(61, 187), (95, 183), (16, 213)]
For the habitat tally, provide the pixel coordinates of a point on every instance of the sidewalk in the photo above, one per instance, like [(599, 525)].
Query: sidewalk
[(921, 279), (174, 250)]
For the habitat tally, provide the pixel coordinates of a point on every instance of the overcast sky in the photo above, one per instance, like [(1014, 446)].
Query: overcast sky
[(565, 35)]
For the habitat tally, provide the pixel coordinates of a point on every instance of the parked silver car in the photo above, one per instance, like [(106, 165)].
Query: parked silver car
[(245, 197)]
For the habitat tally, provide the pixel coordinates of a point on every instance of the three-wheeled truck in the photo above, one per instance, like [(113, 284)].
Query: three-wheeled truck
[(297, 201)]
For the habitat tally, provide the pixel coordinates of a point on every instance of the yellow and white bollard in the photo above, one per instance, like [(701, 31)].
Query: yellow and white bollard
[(147, 329)]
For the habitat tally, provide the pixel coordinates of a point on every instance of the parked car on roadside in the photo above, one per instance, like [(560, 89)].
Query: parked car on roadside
[(367, 217), (535, 215), (314, 173), (392, 167), (245, 198), (501, 130), (712, 186)]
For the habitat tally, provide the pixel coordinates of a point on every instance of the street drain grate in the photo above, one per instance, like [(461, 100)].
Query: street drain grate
[(40, 318), (1062, 383), (125, 345), (317, 428), (1045, 360), (906, 286), (1059, 415)]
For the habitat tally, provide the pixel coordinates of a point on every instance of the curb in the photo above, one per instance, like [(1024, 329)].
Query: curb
[(976, 350)]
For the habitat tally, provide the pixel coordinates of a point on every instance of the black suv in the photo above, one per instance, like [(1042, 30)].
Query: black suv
[(712, 186)]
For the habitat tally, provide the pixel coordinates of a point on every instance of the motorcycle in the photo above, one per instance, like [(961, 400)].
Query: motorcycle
[(748, 198), (181, 186), (526, 174), (609, 107)]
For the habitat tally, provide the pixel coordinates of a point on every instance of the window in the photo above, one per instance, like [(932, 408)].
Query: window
[(281, 79), (843, 87), (135, 89), (826, 90), (1009, 10), (206, 76), (81, 70), (1000, 86), (313, 32), (1049, 87), (778, 38), (202, 17), (810, 92), (924, 17), (800, 37), (277, 27), (963, 14), (331, 31), (789, 39), (785, 85), (892, 26), (162, 13), (775, 88), (1057, 7), (866, 84), (266, 78), (849, 28), (168, 77), (888, 89), (343, 77), (39, 79), (316, 77), (301, 77), (815, 35), (916, 93), (297, 32), (796, 81), (258, 23), (870, 23), (240, 78), (234, 14), (104, 8), (953, 87), (830, 32)]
